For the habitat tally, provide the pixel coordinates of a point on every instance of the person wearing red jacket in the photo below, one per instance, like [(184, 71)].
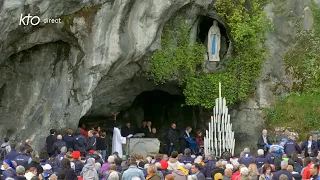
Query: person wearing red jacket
[(199, 138), (83, 131), (306, 171)]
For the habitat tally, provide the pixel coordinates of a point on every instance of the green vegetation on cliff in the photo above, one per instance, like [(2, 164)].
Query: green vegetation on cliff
[(178, 58), (300, 113), (247, 24), (303, 59)]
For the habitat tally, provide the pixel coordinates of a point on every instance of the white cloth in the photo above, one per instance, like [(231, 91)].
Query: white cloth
[(265, 139), (309, 144), (188, 135), (117, 141)]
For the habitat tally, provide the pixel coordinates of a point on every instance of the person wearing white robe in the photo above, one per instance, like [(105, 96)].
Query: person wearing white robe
[(117, 141)]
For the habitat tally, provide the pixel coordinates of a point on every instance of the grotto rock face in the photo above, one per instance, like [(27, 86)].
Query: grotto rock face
[(50, 71), (249, 116)]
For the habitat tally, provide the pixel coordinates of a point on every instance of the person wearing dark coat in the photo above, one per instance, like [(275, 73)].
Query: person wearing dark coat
[(13, 153), (80, 142), (23, 158), (92, 141), (148, 129), (125, 131), (10, 169), (67, 171), (143, 126), (290, 147), (171, 138), (309, 146), (186, 158), (182, 139), (247, 158), (58, 144), (263, 141), (284, 165), (260, 160), (50, 141), (95, 156), (20, 171), (69, 139), (210, 165)]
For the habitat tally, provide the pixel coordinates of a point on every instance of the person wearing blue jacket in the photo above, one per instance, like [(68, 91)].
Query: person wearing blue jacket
[(291, 146), (247, 158), (13, 153), (309, 146), (260, 160), (69, 139)]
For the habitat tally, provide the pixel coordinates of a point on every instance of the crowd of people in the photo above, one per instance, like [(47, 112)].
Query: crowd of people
[(85, 155)]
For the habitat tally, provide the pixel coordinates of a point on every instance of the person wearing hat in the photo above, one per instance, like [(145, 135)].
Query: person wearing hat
[(10, 169), (218, 176), (164, 167), (78, 164), (195, 170), (89, 171), (47, 172)]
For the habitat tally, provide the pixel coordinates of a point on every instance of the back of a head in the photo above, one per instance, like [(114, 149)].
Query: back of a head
[(113, 176), (306, 161), (6, 139), (260, 152), (187, 152), (132, 161), (284, 164), (118, 161), (112, 167), (59, 137), (283, 177), (22, 149), (219, 164), (20, 170), (290, 168), (314, 160), (174, 154), (64, 149), (244, 171), (246, 150), (209, 156), (229, 166), (13, 145), (52, 131)]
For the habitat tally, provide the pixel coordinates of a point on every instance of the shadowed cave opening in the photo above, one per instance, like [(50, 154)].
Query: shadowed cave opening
[(157, 106)]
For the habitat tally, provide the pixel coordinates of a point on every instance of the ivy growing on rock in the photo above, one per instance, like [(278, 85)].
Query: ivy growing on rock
[(297, 112), (178, 58), (303, 59), (247, 24)]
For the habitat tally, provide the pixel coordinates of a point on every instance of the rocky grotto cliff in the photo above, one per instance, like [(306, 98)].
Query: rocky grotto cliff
[(95, 61)]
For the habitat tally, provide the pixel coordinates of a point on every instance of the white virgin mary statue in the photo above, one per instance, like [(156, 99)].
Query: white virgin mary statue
[(117, 141), (214, 40)]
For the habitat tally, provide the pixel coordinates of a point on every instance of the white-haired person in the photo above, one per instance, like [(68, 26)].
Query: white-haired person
[(264, 141), (105, 166), (260, 159)]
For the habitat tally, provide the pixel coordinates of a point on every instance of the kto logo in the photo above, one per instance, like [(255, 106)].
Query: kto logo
[(33, 20)]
